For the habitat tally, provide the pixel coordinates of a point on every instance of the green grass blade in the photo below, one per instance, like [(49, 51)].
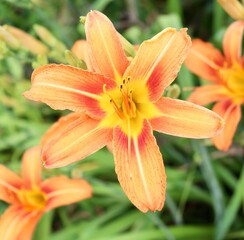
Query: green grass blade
[(158, 222), (43, 229), (219, 17), (175, 212), (174, 6), (211, 180), (225, 175), (186, 81), (232, 209)]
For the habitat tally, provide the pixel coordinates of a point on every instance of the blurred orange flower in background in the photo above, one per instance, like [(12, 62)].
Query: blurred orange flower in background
[(120, 102), (234, 8), (30, 197), (226, 73), (17, 38)]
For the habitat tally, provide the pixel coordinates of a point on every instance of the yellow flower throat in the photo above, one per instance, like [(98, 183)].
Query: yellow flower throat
[(32, 199), (127, 105), (127, 108), (234, 81)]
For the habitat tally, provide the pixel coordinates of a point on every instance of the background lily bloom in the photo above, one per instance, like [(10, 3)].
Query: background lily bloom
[(234, 8), (226, 73), (121, 102), (30, 197)]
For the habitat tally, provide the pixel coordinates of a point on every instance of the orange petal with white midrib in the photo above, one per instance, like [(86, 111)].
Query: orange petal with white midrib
[(10, 183), (232, 116), (62, 191), (140, 170), (159, 59), (18, 224), (31, 167), (65, 87), (208, 93), (205, 60), (78, 138), (107, 54), (185, 119), (232, 42), (58, 127)]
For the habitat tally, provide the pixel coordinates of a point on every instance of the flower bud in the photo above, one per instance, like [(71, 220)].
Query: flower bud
[(73, 60), (49, 38), (9, 39)]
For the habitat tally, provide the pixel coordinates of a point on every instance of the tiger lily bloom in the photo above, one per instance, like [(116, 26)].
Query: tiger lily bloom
[(226, 74), (119, 104), (30, 197), (234, 8)]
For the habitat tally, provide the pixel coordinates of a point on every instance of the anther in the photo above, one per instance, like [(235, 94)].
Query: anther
[(104, 88)]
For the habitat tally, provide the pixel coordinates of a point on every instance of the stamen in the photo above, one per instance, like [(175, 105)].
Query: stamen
[(115, 106), (117, 109)]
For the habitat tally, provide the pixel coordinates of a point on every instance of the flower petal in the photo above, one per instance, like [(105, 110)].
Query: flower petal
[(232, 116), (232, 42), (73, 138), (108, 56), (27, 40), (10, 183), (140, 169), (17, 224), (205, 60), (62, 191), (159, 59), (32, 167), (185, 119), (80, 49), (234, 8), (208, 93), (65, 87)]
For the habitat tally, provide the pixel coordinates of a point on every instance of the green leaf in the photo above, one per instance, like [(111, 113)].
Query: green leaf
[(232, 209), (211, 180)]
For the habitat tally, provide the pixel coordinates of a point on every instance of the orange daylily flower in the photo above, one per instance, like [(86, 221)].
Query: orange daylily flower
[(226, 73), (30, 197), (121, 102), (234, 8)]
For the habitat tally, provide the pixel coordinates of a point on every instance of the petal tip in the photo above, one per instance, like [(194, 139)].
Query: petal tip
[(220, 126)]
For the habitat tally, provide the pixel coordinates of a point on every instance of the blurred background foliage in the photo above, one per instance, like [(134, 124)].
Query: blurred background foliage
[(205, 187)]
